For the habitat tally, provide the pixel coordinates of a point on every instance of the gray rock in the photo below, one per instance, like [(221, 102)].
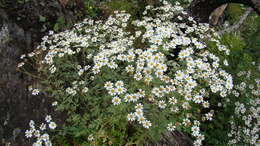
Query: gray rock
[(16, 132)]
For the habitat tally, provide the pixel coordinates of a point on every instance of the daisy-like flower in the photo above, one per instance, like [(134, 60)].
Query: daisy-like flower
[(209, 116), (52, 69), (32, 124), (119, 84), (183, 54), (139, 113), (195, 130), (80, 72), (198, 99), (175, 109), (225, 62), (120, 90), (28, 133), (45, 137), (130, 58), (205, 104), (22, 56), (108, 85), (128, 98), (35, 91), (139, 106), (116, 100), (138, 76), (135, 97), (43, 126), (162, 104), (90, 137), (85, 90), (172, 100), (112, 65), (171, 127), (36, 133), (141, 119), (147, 124), (159, 73), (112, 91), (20, 64), (129, 68), (179, 75), (131, 117), (54, 103), (48, 118), (52, 125)]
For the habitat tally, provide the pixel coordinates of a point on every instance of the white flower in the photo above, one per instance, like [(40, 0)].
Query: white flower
[(119, 84), (173, 100), (116, 100), (28, 133), (31, 124), (52, 69), (209, 116), (48, 118), (71, 91), (147, 124), (54, 103), (35, 91), (171, 127), (45, 137), (80, 72), (205, 104), (20, 64), (225, 62), (131, 117), (37, 133), (90, 137), (112, 91), (139, 106), (179, 75), (37, 143), (43, 126), (129, 68), (85, 90), (22, 56), (198, 99), (195, 130), (52, 125), (162, 104), (139, 113), (120, 90), (108, 85), (138, 76), (128, 98)]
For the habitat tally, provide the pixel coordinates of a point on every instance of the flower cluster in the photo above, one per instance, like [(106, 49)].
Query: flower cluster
[(41, 135), (245, 121), (158, 65)]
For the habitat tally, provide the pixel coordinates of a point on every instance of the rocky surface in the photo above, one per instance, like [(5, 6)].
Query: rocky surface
[(20, 32)]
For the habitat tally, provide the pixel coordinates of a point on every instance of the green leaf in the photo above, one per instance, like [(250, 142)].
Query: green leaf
[(42, 18)]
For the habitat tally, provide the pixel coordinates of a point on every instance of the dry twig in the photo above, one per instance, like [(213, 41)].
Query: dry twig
[(238, 24)]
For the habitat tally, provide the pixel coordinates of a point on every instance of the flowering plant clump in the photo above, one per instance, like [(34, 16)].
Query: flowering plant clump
[(122, 81), (41, 135), (245, 121)]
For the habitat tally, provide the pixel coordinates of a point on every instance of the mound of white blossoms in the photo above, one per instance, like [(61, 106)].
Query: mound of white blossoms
[(153, 61)]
